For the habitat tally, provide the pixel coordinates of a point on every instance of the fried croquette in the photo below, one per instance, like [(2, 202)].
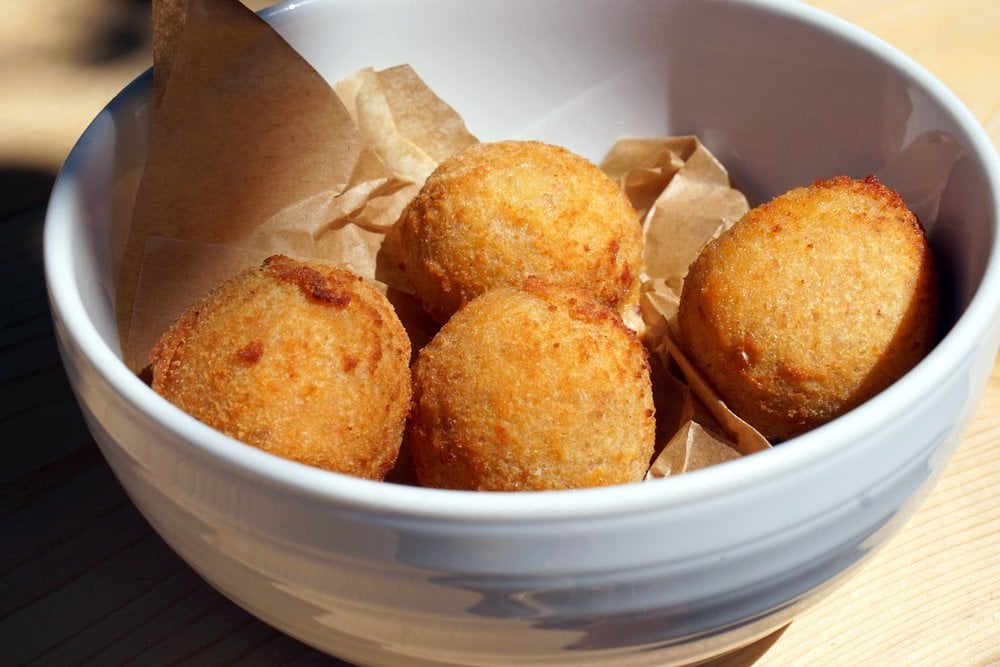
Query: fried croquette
[(811, 304), (541, 388), (495, 214), (303, 360)]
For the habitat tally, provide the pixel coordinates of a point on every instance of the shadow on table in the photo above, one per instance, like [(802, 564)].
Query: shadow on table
[(86, 580), (23, 187), (39, 418), (748, 655)]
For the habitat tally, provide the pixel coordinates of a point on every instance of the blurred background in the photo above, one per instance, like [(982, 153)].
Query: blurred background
[(60, 63), (62, 60)]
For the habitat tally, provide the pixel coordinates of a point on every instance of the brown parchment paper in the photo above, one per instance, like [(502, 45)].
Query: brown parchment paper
[(253, 153), (252, 149), (684, 198)]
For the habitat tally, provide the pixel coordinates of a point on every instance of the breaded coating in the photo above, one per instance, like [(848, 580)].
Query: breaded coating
[(303, 360), (497, 213), (811, 304), (541, 388)]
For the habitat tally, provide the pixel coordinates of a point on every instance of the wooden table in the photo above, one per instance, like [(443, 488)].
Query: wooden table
[(84, 578)]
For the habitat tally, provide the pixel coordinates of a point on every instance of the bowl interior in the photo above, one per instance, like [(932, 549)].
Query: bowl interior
[(783, 95)]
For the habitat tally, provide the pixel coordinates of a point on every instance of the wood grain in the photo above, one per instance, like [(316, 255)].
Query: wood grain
[(932, 596)]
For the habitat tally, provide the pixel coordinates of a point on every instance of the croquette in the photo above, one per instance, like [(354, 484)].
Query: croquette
[(529, 389), (497, 213), (303, 360), (811, 304)]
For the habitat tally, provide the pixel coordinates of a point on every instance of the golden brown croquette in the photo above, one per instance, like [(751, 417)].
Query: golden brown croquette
[(303, 360), (497, 213), (811, 304), (541, 388)]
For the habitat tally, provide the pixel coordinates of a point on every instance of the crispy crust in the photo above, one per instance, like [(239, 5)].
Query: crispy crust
[(303, 360), (811, 304), (542, 388), (498, 213)]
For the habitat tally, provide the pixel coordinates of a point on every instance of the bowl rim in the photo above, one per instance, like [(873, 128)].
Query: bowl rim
[(825, 442)]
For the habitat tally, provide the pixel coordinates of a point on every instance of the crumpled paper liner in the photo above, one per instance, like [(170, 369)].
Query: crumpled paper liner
[(253, 150), (253, 153), (684, 198)]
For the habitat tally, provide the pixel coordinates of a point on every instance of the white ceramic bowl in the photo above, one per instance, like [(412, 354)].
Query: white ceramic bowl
[(675, 570)]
